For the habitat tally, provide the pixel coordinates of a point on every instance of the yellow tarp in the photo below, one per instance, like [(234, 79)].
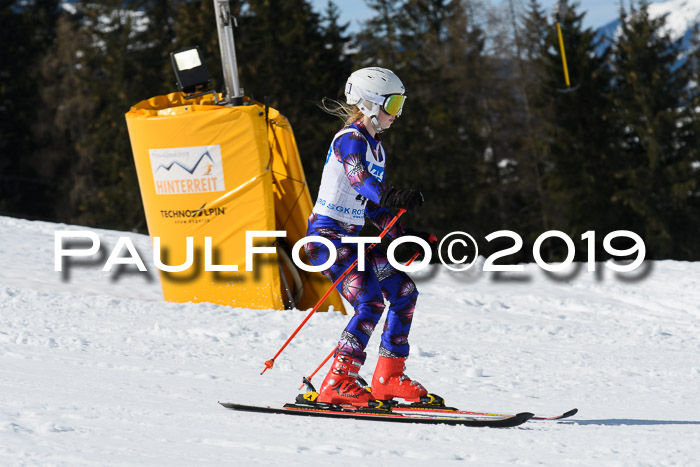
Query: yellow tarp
[(207, 170)]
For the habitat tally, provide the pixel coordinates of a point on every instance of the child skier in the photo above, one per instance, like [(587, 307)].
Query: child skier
[(352, 186)]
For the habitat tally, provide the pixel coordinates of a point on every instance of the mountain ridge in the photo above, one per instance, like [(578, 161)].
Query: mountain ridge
[(682, 16)]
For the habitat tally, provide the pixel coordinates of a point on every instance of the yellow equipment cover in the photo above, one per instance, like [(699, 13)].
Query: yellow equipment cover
[(208, 170)]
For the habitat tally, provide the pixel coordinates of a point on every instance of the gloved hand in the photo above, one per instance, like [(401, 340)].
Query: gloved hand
[(415, 248), (401, 199)]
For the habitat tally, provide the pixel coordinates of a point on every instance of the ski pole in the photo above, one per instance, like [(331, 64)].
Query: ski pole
[(270, 363), (308, 378)]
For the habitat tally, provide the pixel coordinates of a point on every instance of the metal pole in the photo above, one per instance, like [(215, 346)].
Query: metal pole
[(224, 24)]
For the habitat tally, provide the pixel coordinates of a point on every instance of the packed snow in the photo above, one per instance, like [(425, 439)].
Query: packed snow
[(97, 369)]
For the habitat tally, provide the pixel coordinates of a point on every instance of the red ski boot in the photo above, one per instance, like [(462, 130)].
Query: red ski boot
[(389, 381), (341, 386)]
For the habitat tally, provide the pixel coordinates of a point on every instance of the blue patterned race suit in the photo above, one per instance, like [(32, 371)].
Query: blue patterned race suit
[(366, 290)]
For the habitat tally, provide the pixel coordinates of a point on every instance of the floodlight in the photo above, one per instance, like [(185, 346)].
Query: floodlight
[(191, 72)]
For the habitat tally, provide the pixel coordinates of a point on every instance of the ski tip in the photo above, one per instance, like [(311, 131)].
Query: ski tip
[(568, 414)]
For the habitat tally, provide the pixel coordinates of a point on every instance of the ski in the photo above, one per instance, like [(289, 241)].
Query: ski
[(410, 408), (432, 403), (383, 415), (428, 404)]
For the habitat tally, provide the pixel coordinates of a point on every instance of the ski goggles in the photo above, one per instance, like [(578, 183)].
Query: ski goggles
[(393, 104)]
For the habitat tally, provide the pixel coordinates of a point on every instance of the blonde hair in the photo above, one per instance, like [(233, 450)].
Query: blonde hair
[(349, 114)]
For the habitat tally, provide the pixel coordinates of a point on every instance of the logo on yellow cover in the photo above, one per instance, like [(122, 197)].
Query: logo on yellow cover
[(196, 169)]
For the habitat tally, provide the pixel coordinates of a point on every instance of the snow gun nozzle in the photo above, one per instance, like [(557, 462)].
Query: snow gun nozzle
[(268, 366)]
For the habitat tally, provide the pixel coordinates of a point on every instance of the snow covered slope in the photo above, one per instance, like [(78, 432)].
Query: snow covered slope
[(99, 370)]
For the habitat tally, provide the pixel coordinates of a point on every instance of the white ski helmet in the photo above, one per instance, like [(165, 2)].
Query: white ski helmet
[(374, 88)]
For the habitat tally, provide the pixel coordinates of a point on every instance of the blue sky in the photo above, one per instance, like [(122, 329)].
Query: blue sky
[(598, 12)]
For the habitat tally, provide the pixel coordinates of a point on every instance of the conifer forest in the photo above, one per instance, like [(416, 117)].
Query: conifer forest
[(490, 133)]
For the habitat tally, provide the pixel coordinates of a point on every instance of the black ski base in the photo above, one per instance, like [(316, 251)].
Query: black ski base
[(381, 415)]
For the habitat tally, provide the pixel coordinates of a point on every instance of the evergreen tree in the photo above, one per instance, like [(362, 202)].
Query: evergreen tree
[(495, 136), (686, 223), (436, 48), (579, 147), (517, 122), (655, 184), (337, 66), (288, 53), (154, 44), (106, 57), (335, 53), (66, 107), (100, 65), (27, 30)]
